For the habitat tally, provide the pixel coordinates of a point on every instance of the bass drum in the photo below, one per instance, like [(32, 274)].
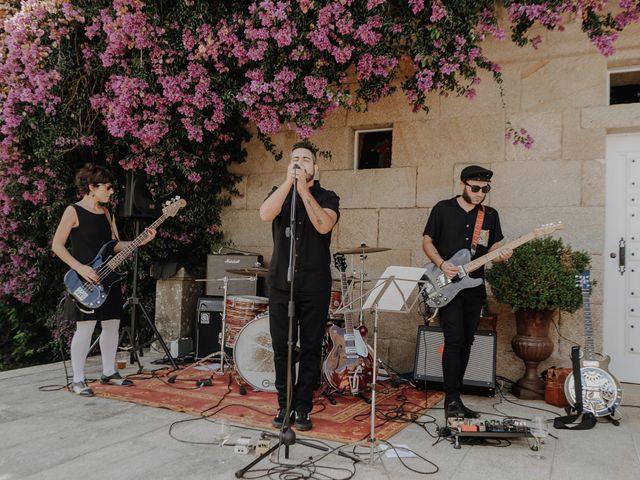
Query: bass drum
[(253, 354)]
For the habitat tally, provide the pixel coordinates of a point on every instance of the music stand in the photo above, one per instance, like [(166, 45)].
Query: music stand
[(394, 292)]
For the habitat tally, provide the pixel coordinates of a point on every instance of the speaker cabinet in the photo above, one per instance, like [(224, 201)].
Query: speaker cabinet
[(138, 202), (480, 376), (217, 266), (208, 326)]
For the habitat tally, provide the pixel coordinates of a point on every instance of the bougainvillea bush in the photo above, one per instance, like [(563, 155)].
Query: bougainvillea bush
[(169, 88)]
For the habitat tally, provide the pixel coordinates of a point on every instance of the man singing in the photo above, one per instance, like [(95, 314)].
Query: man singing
[(454, 224), (317, 211)]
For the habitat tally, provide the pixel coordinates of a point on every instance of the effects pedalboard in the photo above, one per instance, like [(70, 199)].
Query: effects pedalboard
[(476, 428)]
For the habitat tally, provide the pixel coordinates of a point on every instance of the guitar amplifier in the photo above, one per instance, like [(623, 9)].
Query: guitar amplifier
[(480, 376), (208, 326), (217, 266)]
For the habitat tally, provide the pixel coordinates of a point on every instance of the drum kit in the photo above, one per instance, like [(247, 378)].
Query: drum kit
[(245, 325)]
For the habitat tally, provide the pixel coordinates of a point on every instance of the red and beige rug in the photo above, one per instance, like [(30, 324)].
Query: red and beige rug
[(349, 420)]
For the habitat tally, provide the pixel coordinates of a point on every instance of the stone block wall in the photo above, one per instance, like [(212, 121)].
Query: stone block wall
[(558, 92)]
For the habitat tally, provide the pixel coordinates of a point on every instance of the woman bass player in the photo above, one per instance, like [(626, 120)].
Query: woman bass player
[(89, 226)]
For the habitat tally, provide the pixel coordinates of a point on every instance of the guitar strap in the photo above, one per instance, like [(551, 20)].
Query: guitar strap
[(588, 419), (476, 230), (111, 220)]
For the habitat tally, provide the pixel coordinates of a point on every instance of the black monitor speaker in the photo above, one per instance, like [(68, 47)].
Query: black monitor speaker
[(138, 202), (209, 326)]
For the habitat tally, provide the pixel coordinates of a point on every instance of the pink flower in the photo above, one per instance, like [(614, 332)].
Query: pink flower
[(416, 5), (438, 12), (316, 87), (194, 177)]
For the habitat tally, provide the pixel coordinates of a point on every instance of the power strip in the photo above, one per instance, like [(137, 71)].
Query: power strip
[(262, 446), (243, 446)]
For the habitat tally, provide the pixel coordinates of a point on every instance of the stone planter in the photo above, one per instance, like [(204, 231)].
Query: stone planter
[(532, 345)]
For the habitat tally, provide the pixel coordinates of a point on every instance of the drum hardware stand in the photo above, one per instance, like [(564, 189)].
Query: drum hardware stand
[(362, 276), (222, 337)]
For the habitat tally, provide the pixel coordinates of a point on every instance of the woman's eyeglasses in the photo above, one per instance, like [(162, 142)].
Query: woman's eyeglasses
[(478, 188)]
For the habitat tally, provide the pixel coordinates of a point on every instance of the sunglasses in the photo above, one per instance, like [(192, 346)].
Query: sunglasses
[(478, 188)]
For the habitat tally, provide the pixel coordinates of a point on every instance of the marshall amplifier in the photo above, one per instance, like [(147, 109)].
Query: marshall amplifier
[(208, 326), (480, 377), (217, 266)]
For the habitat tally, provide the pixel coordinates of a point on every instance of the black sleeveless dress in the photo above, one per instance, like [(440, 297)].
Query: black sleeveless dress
[(87, 239)]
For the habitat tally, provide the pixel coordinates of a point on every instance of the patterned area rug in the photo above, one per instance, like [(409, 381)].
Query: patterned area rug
[(349, 420)]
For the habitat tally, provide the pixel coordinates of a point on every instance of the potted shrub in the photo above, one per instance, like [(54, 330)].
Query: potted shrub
[(539, 279)]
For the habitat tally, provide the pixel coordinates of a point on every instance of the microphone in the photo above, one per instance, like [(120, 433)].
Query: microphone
[(295, 165)]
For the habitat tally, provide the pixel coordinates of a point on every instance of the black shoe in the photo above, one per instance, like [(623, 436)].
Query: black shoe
[(278, 420), (453, 409), (303, 422), (468, 413), (115, 379)]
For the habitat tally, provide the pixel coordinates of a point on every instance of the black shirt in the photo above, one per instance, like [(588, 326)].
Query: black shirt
[(451, 229), (313, 255), (92, 232)]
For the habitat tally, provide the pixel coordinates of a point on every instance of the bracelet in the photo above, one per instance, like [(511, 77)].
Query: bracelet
[(440, 266)]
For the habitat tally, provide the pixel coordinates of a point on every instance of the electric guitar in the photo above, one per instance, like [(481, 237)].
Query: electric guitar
[(349, 365), (439, 290), (90, 296), (601, 392)]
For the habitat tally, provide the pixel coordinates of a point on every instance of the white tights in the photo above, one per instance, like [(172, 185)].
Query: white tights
[(81, 343)]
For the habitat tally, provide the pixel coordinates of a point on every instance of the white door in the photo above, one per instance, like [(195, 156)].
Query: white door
[(621, 322)]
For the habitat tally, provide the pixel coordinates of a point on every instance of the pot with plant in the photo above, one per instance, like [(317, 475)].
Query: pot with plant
[(537, 281)]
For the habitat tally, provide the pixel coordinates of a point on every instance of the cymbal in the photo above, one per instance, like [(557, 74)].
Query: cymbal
[(254, 271), (362, 249)]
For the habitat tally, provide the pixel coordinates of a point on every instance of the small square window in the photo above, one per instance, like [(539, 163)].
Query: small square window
[(624, 86), (373, 148)]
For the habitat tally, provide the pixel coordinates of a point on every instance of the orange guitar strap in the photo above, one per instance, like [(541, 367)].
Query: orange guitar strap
[(476, 230)]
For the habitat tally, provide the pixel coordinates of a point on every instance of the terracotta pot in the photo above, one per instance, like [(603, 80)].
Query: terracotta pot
[(532, 345)]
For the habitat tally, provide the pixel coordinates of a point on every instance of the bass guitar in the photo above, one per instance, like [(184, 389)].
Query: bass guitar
[(438, 290), (349, 365), (601, 391), (90, 296)]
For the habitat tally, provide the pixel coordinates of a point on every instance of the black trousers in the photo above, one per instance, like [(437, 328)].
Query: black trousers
[(310, 323), (459, 321)]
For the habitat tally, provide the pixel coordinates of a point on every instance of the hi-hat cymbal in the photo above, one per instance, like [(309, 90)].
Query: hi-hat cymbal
[(253, 271), (362, 249)]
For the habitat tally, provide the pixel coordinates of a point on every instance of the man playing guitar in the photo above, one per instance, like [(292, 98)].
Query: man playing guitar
[(454, 224)]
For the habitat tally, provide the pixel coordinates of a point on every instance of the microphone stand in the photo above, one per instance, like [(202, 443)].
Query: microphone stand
[(287, 436)]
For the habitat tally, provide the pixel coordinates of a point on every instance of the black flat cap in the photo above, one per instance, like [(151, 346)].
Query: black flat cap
[(476, 172)]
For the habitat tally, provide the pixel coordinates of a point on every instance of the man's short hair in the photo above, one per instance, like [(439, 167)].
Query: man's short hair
[(308, 145)]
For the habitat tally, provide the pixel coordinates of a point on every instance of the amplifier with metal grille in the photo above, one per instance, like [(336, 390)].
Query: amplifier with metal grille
[(480, 377), (208, 326), (218, 266)]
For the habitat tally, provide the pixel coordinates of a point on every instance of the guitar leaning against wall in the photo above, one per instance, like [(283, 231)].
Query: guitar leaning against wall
[(601, 391)]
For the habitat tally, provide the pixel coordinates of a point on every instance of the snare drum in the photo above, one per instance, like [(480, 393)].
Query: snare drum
[(240, 310), (253, 354)]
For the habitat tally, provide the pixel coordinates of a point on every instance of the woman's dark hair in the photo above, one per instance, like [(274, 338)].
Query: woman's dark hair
[(91, 174)]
